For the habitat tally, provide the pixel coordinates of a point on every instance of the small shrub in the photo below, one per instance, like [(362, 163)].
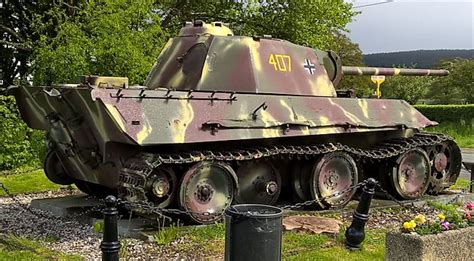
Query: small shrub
[(448, 113), (98, 226), (167, 235), (19, 145)]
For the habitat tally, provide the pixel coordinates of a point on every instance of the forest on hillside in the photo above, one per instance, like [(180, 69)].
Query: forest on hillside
[(419, 58)]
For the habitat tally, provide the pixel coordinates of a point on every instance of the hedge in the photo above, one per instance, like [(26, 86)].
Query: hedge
[(448, 113), (19, 145)]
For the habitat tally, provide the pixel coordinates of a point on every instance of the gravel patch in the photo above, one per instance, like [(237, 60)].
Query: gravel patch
[(72, 236)]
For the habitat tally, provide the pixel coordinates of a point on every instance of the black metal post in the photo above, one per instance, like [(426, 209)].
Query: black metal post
[(471, 188), (110, 244), (355, 234)]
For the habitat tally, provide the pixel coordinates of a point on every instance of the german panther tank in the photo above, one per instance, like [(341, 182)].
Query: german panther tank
[(224, 119)]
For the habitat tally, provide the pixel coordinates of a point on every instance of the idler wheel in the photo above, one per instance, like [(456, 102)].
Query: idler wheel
[(207, 188), (259, 183), (334, 172), (54, 170), (445, 161), (162, 186), (410, 174)]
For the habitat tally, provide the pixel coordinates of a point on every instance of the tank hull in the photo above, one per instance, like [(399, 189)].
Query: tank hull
[(96, 130)]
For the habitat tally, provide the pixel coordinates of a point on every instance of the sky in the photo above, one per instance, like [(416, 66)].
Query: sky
[(404, 25)]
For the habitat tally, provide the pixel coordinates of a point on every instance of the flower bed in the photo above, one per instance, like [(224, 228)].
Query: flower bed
[(446, 235), (449, 245)]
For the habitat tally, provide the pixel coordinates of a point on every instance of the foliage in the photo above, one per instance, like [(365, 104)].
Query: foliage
[(450, 217), (458, 84), (420, 58), (407, 88), (456, 121), (19, 34), (167, 235), (119, 38), (98, 226), (351, 55), (19, 145), (114, 38), (448, 113), (461, 184)]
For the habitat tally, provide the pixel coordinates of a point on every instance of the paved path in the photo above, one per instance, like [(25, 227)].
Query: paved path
[(467, 154)]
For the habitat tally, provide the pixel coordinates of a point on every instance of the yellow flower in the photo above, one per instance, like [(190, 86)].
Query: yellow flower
[(410, 226), (441, 216), (420, 219)]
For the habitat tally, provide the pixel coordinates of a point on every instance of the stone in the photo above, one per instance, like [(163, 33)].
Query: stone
[(312, 224), (65, 206), (73, 205), (448, 245)]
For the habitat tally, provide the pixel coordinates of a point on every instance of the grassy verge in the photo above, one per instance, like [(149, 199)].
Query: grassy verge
[(463, 133), (34, 181), (461, 184), (209, 240), (20, 248)]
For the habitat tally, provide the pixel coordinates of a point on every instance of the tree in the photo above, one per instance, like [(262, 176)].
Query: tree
[(19, 35), (123, 37), (351, 55), (407, 88), (107, 37), (459, 84)]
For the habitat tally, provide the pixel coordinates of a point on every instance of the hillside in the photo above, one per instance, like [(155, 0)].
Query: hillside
[(420, 58)]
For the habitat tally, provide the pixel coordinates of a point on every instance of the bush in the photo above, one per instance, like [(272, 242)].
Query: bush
[(448, 113), (19, 145)]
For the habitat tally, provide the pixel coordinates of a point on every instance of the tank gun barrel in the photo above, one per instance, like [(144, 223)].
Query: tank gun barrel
[(357, 70)]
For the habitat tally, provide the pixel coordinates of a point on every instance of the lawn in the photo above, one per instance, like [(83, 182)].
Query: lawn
[(463, 133), (209, 240), (28, 182), (20, 248)]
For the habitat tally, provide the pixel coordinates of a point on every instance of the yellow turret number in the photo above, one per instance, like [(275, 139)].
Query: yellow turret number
[(281, 62)]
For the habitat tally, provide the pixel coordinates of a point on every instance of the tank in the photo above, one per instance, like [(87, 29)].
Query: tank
[(225, 119)]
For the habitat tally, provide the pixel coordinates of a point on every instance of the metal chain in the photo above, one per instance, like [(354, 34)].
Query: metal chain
[(333, 195), (136, 170), (150, 208), (410, 206)]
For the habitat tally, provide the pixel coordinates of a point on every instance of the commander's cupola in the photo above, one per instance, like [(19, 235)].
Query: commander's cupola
[(199, 27)]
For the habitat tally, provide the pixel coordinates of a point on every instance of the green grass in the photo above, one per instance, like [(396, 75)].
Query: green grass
[(462, 132), (20, 248), (300, 246), (461, 184), (296, 246), (34, 181)]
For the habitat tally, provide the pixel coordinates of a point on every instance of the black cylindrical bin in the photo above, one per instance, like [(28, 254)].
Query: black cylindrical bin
[(253, 232)]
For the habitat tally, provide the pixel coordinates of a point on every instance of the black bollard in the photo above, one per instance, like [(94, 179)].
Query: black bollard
[(355, 234), (110, 244)]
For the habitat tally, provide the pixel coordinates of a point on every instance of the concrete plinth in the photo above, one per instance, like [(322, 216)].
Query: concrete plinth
[(71, 206)]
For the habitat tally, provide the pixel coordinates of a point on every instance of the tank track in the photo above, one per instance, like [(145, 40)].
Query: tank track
[(133, 176)]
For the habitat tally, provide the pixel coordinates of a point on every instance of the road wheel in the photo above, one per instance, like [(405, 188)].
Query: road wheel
[(334, 172), (207, 188)]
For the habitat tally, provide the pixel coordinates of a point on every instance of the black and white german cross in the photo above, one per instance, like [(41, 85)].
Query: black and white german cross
[(310, 67)]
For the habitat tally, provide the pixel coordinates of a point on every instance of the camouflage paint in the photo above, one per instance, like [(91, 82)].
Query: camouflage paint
[(209, 86)]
